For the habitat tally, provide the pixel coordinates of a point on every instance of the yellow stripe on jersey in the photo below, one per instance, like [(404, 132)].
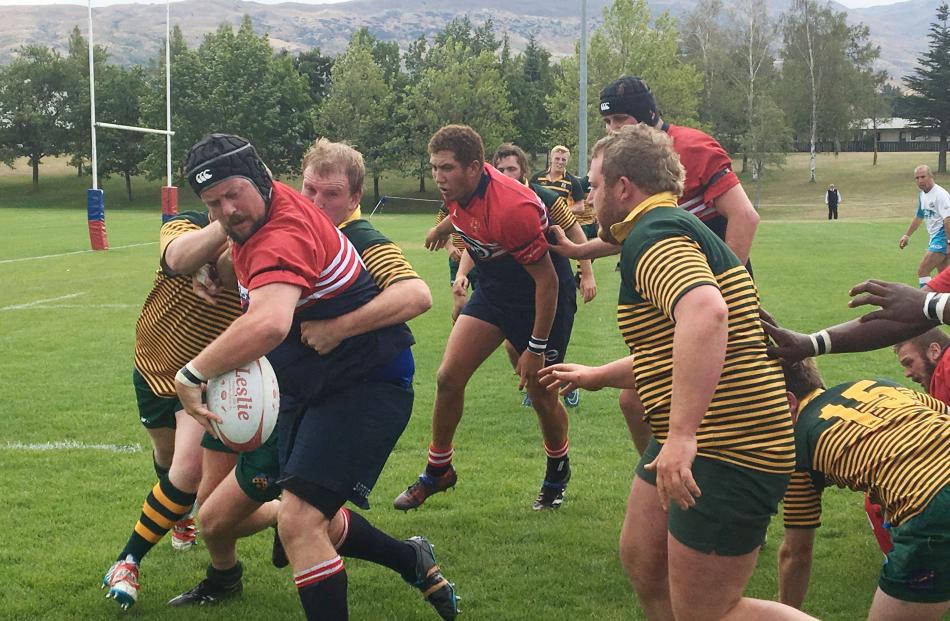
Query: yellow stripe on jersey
[(892, 444), (456, 240), (747, 422), (175, 324), (670, 268), (387, 264), (802, 503), (561, 214)]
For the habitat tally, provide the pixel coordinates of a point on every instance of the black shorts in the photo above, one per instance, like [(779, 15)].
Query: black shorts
[(342, 443), (516, 320)]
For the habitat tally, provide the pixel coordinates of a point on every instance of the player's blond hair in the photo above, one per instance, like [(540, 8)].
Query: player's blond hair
[(643, 155), (325, 157), (560, 148)]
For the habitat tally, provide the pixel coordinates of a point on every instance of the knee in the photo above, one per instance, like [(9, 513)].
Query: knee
[(645, 569), (630, 403), (297, 519), (448, 380), (212, 526), (185, 473)]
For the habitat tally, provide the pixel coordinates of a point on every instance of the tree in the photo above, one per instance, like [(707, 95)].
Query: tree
[(34, 107), (316, 68), (928, 105), (121, 152), (79, 140), (233, 83), (530, 78), (626, 44), (825, 71), (455, 87), (360, 105)]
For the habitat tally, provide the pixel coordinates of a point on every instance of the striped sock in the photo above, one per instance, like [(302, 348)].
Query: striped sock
[(440, 460), (322, 590), (165, 505), (558, 462), (345, 514)]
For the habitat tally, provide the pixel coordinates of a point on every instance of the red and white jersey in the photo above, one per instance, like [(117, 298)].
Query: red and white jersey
[(503, 218), (708, 168), (300, 246)]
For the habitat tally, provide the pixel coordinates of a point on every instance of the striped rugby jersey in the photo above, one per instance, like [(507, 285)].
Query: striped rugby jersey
[(175, 324), (567, 187), (708, 168), (666, 253), (871, 436)]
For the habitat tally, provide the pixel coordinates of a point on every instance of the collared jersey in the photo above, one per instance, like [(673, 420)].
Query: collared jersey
[(708, 168), (298, 245), (175, 324), (870, 436), (567, 187), (666, 253)]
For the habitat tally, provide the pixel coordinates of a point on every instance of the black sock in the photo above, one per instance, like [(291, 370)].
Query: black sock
[(558, 469), (160, 471), (225, 577), (325, 600), (365, 541)]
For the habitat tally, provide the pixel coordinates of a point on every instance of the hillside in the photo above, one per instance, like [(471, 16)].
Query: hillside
[(133, 32)]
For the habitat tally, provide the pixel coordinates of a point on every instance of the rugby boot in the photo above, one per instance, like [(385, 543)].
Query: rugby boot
[(207, 592), (424, 487), (429, 580), (184, 534), (551, 495), (573, 398), (122, 580)]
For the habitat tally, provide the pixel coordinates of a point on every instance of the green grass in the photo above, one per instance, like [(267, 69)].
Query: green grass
[(67, 512)]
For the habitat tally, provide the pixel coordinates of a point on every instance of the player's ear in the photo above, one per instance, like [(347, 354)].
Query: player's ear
[(792, 405), (933, 352)]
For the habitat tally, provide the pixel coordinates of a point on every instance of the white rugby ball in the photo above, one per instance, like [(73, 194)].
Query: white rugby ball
[(247, 399)]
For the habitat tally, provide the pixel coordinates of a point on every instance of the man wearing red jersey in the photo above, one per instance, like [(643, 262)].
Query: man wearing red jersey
[(341, 412), (525, 295)]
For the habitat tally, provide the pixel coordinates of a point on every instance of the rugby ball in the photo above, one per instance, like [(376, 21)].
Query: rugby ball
[(247, 399)]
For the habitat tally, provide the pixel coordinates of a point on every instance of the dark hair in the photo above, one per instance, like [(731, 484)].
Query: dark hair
[(507, 150), (922, 341), (629, 95), (463, 141)]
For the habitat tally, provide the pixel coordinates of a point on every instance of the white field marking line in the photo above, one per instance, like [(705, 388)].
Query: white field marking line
[(72, 445), (41, 302), (66, 254), (82, 306)]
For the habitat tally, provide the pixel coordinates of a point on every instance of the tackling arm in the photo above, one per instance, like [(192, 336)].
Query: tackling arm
[(741, 221), (187, 253)]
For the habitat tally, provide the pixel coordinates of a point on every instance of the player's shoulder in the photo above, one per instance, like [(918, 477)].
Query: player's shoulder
[(547, 196), (187, 220), (362, 234)]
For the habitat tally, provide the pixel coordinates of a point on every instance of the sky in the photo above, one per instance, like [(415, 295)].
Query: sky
[(851, 4)]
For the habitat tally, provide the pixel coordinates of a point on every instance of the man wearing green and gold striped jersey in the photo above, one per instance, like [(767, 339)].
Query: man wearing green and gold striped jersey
[(889, 441), (722, 448), (570, 188)]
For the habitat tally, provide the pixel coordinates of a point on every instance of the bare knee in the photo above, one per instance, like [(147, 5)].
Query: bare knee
[(298, 519), (450, 381), (185, 473)]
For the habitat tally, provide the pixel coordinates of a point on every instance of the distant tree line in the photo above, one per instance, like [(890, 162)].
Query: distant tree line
[(753, 81)]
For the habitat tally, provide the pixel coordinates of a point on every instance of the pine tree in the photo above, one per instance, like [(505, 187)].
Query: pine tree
[(928, 106)]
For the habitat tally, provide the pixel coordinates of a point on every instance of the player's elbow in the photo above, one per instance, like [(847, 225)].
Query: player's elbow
[(416, 294)]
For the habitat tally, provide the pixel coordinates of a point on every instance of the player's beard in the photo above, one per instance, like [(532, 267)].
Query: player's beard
[(237, 221)]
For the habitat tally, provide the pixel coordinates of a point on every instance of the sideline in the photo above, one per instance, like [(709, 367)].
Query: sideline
[(66, 254), (42, 302), (71, 445)]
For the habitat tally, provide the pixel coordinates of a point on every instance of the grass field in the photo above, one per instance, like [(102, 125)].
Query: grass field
[(66, 326)]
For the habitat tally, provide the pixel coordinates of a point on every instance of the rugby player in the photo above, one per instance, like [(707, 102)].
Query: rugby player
[(722, 448), (892, 443), (567, 186), (525, 295), (933, 210), (245, 502)]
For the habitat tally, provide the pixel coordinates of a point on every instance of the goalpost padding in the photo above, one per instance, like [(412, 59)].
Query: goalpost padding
[(96, 215), (169, 203)]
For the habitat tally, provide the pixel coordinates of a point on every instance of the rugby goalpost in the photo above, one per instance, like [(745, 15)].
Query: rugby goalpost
[(95, 197)]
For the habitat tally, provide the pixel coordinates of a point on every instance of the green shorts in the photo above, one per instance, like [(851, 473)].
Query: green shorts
[(454, 270), (257, 471), (917, 569), (731, 516), (155, 412)]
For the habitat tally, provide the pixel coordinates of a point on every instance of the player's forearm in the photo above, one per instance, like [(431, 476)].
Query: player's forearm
[(396, 304), (185, 254), (858, 336), (253, 334), (740, 232), (545, 299), (794, 574), (225, 267), (593, 249), (617, 374), (466, 263), (445, 227), (914, 225), (576, 235), (699, 351)]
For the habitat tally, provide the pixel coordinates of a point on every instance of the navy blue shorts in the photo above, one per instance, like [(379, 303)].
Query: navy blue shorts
[(342, 443), (516, 320)]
